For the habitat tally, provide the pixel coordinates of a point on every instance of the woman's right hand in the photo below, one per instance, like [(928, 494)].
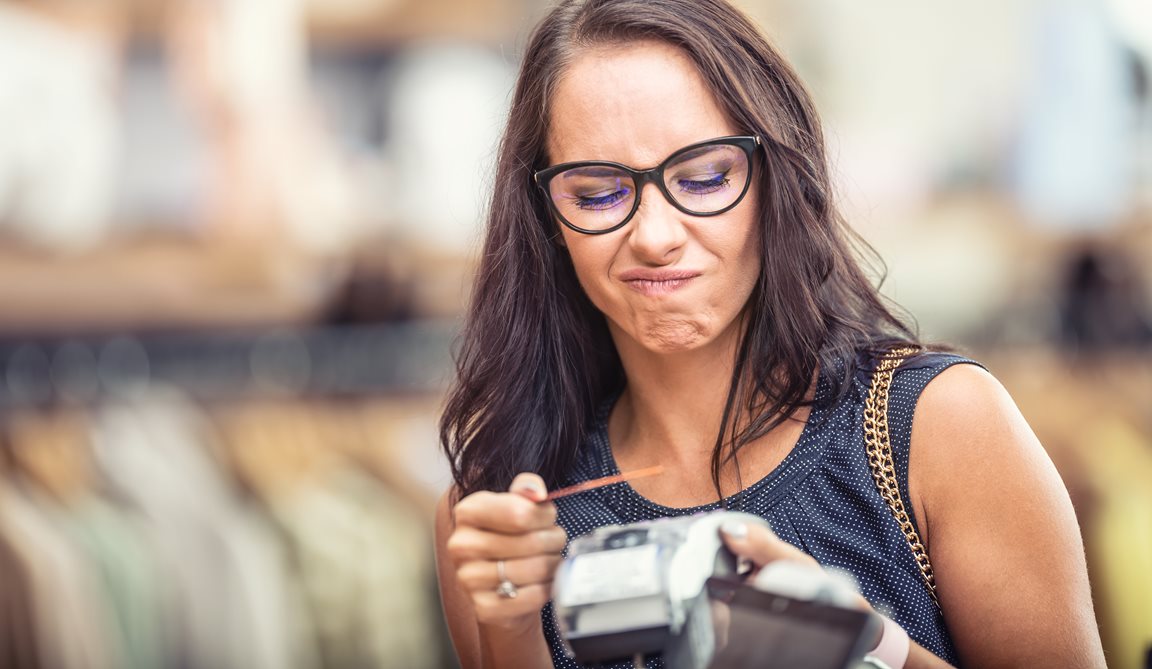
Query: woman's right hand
[(517, 528)]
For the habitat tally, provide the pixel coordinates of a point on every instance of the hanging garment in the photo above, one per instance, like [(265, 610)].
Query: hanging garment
[(361, 550), (70, 614), (17, 616), (364, 564), (225, 566), (124, 568)]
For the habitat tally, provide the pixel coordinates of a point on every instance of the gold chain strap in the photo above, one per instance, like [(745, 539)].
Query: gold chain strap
[(879, 449)]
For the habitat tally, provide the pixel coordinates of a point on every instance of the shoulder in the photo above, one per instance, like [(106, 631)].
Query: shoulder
[(907, 382), (912, 373), (964, 412), (968, 437), (973, 457), (959, 390)]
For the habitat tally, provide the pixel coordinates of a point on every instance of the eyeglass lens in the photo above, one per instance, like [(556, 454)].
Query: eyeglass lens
[(703, 180)]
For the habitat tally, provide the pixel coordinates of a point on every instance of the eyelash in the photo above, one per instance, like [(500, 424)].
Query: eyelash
[(712, 185), (603, 201)]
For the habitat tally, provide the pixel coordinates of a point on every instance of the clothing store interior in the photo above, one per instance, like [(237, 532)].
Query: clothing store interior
[(236, 240)]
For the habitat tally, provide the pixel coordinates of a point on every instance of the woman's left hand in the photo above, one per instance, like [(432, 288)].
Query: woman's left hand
[(760, 546)]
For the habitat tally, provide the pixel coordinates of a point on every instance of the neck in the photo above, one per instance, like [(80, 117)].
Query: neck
[(670, 414), (672, 407)]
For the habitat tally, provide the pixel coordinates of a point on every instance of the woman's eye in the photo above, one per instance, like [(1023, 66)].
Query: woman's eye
[(703, 186), (602, 200)]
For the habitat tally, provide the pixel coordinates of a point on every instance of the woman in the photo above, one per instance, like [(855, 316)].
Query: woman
[(702, 310)]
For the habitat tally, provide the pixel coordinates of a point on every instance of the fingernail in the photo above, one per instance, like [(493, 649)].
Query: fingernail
[(735, 529), (532, 489)]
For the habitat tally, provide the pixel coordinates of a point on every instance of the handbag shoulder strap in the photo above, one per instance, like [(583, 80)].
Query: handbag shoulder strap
[(878, 446)]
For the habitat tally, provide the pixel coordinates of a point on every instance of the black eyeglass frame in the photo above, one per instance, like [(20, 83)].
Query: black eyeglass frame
[(749, 143)]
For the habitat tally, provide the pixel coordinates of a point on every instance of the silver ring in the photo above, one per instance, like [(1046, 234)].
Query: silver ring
[(505, 589)]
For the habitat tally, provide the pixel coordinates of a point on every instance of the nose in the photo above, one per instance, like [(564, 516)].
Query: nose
[(657, 233)]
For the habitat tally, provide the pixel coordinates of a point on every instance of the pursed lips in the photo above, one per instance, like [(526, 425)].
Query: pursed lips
[(657, 282)]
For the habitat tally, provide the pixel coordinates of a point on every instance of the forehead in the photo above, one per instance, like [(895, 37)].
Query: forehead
[(634, 104)]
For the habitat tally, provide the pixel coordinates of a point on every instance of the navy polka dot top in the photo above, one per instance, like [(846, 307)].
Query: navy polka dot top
[(821, 499)]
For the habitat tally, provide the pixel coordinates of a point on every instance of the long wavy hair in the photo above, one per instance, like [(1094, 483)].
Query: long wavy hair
[(536, 359)]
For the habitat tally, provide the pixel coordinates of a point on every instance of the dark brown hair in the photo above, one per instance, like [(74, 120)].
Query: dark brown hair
[(536, 357)]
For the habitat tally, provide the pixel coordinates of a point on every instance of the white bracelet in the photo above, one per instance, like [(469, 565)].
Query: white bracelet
[(893, 648)]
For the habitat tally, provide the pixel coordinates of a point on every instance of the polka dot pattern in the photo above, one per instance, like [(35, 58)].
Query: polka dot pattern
[(821, 499)]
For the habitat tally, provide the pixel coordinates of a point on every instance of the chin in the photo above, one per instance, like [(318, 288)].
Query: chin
[(674, 336)]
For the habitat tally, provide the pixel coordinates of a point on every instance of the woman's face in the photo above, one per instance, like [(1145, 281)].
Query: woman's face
[(667, 281)]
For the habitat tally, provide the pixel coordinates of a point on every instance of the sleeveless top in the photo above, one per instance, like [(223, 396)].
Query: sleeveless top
[(821, 498)]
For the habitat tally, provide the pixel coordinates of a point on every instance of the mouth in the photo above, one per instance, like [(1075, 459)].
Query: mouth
[(657, 282)]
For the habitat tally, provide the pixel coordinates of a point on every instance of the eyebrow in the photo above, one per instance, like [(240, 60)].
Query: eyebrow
[(592, 171), (604, 170), (688, 155)]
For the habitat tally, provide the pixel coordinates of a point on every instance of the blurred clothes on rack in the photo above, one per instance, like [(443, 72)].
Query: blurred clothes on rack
[(227, 568), (51, 459), (363, 566), (17, 624), (127, 570), (390, 433), (360, 553), (70, 617), (148, 532)]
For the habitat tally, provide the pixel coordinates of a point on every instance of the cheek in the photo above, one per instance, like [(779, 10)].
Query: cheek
[(751, 255), (590, 259), (753, 234), (739, 250)]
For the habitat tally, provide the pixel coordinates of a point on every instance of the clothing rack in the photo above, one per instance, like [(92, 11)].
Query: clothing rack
[(328, 361)]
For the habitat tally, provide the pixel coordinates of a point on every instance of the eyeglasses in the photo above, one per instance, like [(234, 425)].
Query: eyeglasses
[(704, 179)]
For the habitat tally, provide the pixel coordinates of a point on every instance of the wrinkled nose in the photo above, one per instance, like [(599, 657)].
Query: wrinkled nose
[(657, 233)]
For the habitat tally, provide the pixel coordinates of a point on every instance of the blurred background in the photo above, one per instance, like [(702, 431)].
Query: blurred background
[(236, 238)]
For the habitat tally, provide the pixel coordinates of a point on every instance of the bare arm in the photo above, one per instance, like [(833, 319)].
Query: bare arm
[(488, 630), (1000, 530)]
